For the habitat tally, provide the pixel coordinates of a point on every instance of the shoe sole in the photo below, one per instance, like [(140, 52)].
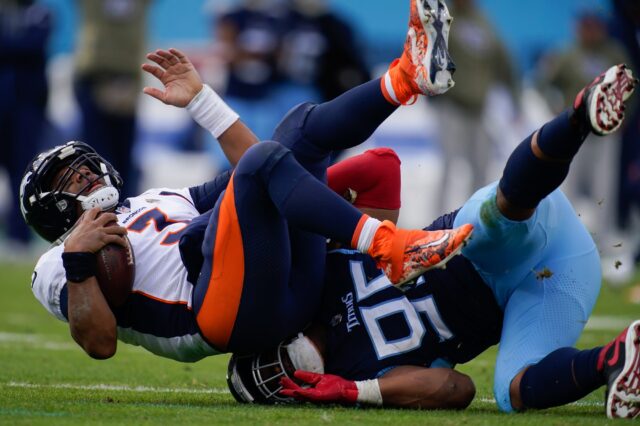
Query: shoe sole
[(440, 265), (623, 401), (427, 70), (606, 105)]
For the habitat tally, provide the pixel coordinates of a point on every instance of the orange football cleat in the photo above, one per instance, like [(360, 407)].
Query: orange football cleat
[(425, 66), (405, 254)]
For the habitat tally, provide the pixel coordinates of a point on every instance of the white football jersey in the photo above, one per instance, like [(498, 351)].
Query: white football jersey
[(158, 314)]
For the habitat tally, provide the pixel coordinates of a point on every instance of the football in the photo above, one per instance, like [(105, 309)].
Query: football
[(116, 271)]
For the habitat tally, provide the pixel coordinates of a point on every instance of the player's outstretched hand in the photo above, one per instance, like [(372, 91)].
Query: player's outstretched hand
[(178, 75), (324, 388)]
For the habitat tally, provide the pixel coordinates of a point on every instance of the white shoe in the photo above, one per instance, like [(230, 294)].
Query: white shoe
[(622, 366), (603, 100), (428, 46)]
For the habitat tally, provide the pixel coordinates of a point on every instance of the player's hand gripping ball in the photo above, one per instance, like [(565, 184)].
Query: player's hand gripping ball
[(116, 271)]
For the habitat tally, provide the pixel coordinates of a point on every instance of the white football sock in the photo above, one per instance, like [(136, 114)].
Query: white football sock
[(367, 233)]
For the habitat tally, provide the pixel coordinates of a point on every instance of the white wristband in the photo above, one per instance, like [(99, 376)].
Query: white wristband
[(209, 110), (369, 392)]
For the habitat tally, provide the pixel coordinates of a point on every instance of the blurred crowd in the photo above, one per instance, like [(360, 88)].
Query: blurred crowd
[(269, 55)]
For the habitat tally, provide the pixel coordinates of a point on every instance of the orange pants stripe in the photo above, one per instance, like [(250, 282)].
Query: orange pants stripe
[(219, 309)]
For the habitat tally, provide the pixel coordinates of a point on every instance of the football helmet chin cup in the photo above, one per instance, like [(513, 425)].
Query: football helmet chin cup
[(52, 212), (256, 378)]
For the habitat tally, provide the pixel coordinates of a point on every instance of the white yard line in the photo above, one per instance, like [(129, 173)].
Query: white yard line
[(577, 404), (107, 387), (216, 391), (608, 323), (37, 340)]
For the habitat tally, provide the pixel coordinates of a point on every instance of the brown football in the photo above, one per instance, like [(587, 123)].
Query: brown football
[(116, 272)]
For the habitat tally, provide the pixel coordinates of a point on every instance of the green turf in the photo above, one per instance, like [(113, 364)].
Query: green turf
[(45, 378)]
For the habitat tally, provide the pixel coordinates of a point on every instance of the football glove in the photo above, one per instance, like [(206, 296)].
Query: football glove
[(328, 388)]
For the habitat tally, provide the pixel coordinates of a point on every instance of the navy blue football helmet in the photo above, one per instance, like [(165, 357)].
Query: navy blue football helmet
[(255, 379), (51, 211)]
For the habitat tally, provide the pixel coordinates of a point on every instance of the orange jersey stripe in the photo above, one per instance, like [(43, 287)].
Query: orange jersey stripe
[(219, 309)]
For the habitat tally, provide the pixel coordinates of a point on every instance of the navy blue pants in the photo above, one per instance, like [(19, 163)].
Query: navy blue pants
[(263, 271)]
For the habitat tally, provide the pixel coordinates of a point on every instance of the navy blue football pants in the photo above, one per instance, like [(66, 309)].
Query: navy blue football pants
[(264, 252)]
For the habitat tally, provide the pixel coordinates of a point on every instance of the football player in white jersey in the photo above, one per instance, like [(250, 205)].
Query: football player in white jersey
[(235, 264)]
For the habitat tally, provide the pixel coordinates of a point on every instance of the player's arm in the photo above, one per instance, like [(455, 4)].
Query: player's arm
[(373, 177), (91, 321), (183, 88), (402, 387), (371, 181), (426, 388)]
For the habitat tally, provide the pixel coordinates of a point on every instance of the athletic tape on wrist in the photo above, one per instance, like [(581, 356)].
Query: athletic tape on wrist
[(304, 355), (209, 110), (369, 392)]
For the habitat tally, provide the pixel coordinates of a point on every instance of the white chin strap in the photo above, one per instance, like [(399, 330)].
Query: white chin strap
[(106, 198), (304, 355)]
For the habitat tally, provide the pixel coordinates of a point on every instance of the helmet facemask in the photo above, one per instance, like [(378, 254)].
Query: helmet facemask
[(105, 197), (47, 207), (256, 378)]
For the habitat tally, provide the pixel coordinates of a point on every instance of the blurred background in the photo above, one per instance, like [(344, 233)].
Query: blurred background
[(69, 69)]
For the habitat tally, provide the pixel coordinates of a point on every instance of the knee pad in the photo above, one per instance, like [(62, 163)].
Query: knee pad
[(289, 128), (261, 158)]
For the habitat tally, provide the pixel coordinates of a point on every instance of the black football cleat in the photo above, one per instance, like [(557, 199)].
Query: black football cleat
[(621, 363), (601, 103)]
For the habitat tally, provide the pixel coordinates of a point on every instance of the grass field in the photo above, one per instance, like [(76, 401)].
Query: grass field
[(45, 378)]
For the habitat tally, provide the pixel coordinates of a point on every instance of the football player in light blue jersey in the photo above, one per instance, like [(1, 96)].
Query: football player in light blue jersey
[(528, 279), (529, 249)]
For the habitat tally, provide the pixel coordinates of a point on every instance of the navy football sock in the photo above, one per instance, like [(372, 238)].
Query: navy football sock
[(561, 138), (349, 119), (563, 376), (527, 179), (308, 203)]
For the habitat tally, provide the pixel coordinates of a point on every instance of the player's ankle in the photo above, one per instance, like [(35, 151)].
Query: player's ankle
[(365, 233), (398, 87), (382, 244), (579, 121)]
